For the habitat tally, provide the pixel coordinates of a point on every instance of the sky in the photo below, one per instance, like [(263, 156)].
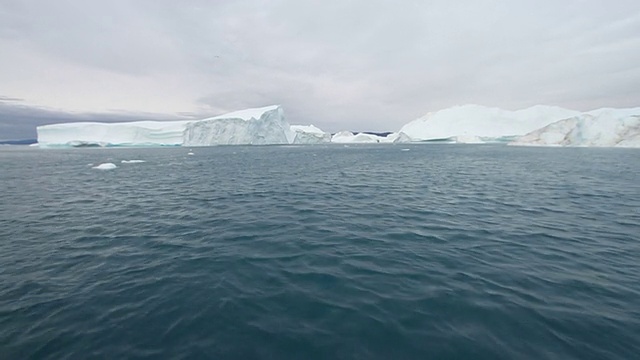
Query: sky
[(338, 64)]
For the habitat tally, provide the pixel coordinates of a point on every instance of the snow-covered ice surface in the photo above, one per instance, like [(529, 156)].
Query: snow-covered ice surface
[(105, 166), (248, 114), (347, 137), (603, 127), (477, 124)]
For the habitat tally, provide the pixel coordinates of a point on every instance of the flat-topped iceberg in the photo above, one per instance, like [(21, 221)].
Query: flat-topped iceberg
[(163, 133), (604, 127), (258, 126), (476, 124)]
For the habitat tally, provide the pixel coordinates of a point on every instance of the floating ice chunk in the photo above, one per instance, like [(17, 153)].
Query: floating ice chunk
[(190, 154), (342, 137), (307, 134), (398, 137), (105, 166), (347, 137), (132, 161)]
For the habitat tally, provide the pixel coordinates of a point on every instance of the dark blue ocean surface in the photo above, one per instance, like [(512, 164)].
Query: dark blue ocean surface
[(320, 252)]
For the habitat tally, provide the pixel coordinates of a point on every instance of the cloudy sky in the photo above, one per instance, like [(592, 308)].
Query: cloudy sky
[(338, 64)]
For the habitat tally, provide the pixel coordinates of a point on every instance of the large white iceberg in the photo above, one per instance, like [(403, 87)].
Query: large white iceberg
[(604, 127), (258, 126), (112, 134), (254, 126), (476, 124)]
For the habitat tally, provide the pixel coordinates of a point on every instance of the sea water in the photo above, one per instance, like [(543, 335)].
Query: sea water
[(320, 252)]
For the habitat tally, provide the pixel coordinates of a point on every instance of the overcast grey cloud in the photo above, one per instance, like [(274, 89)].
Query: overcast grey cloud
[(358, 65)]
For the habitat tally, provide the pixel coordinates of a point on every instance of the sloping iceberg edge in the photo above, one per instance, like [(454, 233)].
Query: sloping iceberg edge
[(608, 128), (539, 125)]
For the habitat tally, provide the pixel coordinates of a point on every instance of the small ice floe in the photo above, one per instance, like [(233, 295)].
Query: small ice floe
[(105, 166), (91, 164), (132, 161), (405, 149), (190, 154)]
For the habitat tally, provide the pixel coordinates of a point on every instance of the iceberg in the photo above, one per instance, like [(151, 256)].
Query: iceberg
[(80, 134), (258, 126), (347, 137), (399, 137), (603, 127), (105, 166), (307, 134), (262, 126), (478, 124)]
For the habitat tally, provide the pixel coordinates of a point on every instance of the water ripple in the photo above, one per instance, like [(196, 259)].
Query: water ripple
[(321, 252)]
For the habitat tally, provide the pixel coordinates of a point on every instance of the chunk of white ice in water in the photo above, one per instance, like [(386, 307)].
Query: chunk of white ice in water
[(132, 161), (190, 154), (105, 166)]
